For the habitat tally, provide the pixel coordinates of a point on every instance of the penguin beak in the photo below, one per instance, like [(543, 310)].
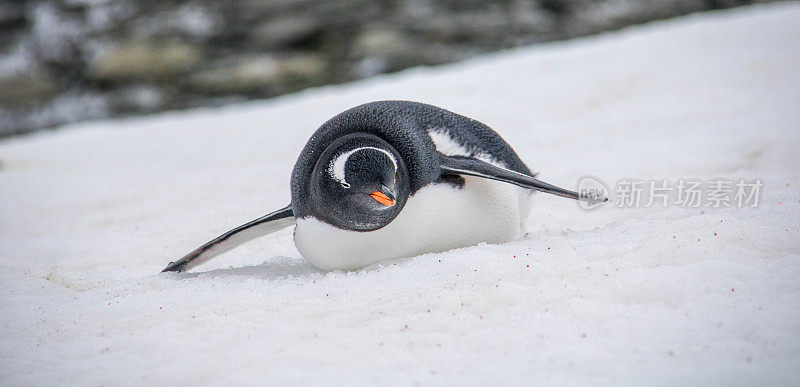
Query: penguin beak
[(387, 199)]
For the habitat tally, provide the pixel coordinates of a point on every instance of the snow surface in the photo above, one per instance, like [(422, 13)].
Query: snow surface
[(90, 214)]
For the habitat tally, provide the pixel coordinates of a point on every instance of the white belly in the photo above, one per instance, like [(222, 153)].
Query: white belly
[(437, 218)]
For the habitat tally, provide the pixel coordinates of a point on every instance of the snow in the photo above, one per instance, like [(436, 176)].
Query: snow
[(89, 215)]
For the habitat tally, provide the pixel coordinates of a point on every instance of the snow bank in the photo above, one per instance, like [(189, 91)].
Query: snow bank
[(90, 214)]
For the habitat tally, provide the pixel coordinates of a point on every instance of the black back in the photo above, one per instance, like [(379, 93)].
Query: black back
[(404, 125)]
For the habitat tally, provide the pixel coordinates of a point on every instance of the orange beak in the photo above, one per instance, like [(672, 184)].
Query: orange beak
[(381, 198)]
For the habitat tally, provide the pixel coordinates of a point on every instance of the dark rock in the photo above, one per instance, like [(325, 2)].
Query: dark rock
[(464, 26), (12, 15), (253, 74), (380, 49), (190, 21), (69, 60), (143, 61), (27, 89), (137, 98), (284, 32)]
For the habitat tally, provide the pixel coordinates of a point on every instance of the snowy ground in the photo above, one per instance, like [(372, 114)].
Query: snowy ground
[(90, 214)]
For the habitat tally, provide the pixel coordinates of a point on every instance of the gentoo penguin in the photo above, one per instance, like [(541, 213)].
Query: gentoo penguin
[(393, 179)]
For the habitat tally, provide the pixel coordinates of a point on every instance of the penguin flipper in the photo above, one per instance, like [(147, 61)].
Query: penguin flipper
[(462, 165), (264, 225)]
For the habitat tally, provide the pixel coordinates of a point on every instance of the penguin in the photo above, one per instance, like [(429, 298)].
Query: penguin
[(394, 179)]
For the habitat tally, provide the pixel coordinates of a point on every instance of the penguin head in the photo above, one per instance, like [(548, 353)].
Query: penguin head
[(359, 183)]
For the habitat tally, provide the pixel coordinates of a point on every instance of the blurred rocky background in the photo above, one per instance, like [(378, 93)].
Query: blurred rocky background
[(69, 60)]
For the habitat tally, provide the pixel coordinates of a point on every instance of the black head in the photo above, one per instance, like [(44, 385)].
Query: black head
[(359, 183)]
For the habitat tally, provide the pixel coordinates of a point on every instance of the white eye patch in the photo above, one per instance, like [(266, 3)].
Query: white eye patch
[(336, 167)]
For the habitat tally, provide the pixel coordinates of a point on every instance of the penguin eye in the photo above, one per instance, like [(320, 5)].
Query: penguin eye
[(364, 164)]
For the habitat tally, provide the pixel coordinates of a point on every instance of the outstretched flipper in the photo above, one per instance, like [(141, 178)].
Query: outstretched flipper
[(460, 165), (264, 225)]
